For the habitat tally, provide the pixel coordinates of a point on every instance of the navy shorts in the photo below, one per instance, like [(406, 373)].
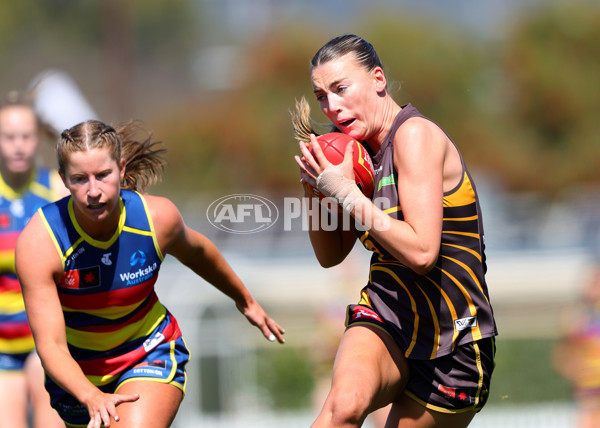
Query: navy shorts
[(13, 362), (165, 364), (454, 383)]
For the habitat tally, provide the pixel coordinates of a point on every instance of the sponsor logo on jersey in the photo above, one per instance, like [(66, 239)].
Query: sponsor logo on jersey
[(156, 363), (362, 312), (73, 257), (82, 278), (154, 341), (465, 323), (390, 180), (137, 258), (455, 394), (17, 208), (151, 368), (5, 221), (106, 259), (139, 276)]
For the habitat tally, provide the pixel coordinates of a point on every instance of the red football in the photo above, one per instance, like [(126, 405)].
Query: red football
[(333, 145)]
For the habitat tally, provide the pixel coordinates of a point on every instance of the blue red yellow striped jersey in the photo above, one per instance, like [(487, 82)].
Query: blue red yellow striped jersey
[(16, 208), (112, 314), (429, 315)]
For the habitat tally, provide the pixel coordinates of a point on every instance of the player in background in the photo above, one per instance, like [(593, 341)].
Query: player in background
[(421, 337), (24, 187), (88, 264), (577, 352)]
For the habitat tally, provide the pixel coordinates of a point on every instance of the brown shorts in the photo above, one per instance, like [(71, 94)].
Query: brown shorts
[(454, 383)]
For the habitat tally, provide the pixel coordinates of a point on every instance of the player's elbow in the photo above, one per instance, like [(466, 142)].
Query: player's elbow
[(423, 262), (328, 256), (327, 262)]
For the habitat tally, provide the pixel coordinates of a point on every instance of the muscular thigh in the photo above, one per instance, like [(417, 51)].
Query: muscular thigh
[(156, 408), (407, 413), (368, 356)]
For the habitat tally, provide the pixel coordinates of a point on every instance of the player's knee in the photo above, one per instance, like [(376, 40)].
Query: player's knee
[(348, 407)]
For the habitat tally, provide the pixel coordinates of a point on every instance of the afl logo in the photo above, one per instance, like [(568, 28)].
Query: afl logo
[(242, 213), (137, 258)]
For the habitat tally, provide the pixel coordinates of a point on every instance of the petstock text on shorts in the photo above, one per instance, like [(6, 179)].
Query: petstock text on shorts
[(248, 213)]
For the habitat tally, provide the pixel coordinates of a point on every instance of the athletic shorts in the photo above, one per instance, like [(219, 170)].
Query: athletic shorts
[(454, 383), (164, 364), (13, 362)]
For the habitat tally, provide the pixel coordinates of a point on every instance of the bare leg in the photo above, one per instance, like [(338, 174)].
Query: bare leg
[(369, 372), (156, 408), (407, 413), (13, 399), (379, 416), (44, 416)]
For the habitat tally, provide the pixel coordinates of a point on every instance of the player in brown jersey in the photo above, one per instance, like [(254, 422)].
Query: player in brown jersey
[(421, 338)]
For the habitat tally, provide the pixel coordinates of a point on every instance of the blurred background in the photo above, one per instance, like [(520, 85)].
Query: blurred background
[(514, 82)]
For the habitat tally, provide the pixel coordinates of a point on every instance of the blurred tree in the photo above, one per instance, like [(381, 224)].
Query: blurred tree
[(115, 49), (552, 61), (285, 377), (251, 125), (523, 109), (241, 139)]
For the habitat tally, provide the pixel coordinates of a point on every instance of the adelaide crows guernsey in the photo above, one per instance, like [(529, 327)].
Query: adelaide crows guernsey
[(429, 315), (112, 314), (16, 208)]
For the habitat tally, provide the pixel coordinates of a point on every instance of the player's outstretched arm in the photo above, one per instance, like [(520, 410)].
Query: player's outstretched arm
[(38, 267), (200, 254)]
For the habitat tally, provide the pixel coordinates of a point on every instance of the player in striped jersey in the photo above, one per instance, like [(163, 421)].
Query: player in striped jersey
[(88, 264), (422, 334), (24, 187), (577, 352)]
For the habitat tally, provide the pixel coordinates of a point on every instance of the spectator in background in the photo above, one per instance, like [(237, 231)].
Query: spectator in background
[(577, 353), (24, 187)]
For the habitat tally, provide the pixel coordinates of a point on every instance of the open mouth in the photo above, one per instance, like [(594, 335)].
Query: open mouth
[(96, 206), (345, 123)]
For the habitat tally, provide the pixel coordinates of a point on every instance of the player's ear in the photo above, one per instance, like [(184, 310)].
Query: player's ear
[(122, 165), (379, 79)]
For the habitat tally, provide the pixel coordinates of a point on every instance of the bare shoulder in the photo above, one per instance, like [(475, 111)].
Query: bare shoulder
[(420, 129), (33, 232), (166, 217), (162, 209), (421, 146), (421, 139)]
